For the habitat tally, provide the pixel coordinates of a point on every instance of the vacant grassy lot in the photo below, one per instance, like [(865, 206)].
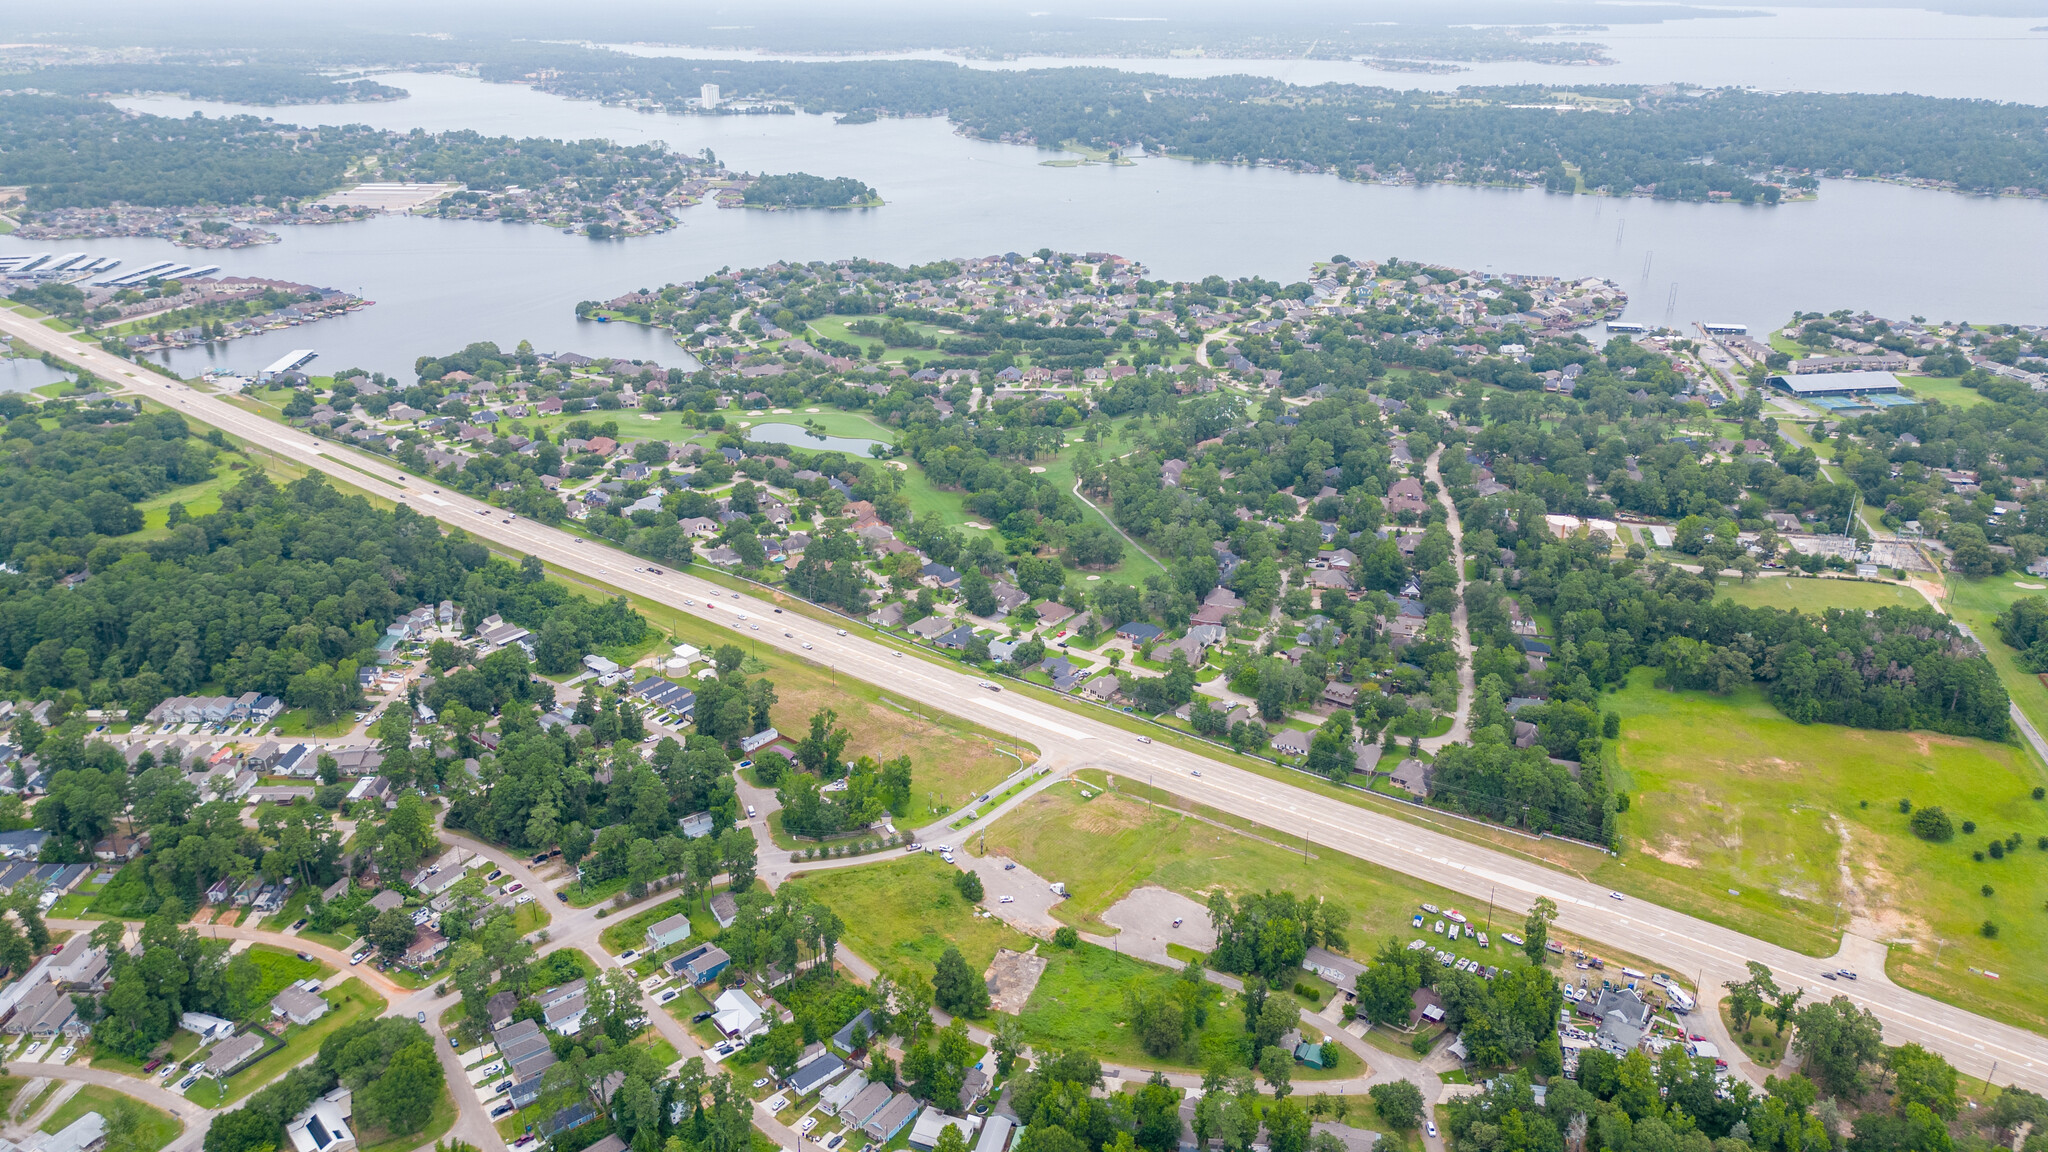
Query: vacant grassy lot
[(1104, 847), (1816, 596), (632, 933), (152, 1127), (1947, 389), (908, 913), (1803, 823), (279, 968), (1976, 603)]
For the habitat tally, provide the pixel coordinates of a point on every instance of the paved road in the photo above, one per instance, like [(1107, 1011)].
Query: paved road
[(1071, 740), (149, 1092)]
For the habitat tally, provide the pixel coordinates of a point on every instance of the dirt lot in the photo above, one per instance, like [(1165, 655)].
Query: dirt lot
[(1012, 977), (1146, 918)]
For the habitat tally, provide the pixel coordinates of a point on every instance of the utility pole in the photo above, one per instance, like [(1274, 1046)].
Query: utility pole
[(1490, 891)]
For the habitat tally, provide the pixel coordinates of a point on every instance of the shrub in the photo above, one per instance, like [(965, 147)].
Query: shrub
[(1066, 937), (1969, 827), (1989, 930), (1932, 824), (2041, 842), (2040, 793), (969, 885), (1998, 849), (1989, 890), (1905, 806), (1977, 856)]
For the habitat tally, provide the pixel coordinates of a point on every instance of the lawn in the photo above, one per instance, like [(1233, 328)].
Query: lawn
[(152, 1128), (352, 1001), (1818, 595), (632, 932), (279, 968), (1975, 603), (1947, 389), (200, 499), (125, 896), (1761, 1041), (439, 1121), (1728, 794)]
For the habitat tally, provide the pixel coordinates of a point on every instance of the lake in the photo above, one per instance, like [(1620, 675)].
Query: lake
[(440, 284), (797, 436)]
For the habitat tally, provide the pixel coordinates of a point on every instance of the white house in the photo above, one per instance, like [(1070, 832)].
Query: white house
[(737, 1016), (209, 1027), (324, 1127)]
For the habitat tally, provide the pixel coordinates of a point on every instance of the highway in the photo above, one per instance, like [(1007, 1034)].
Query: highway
[(1070, 740)]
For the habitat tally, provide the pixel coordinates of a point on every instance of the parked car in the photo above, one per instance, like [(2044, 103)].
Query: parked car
[(305, 957), (298, 924), (669, 995), (628, 954), (359, 957), (562, 896), (700, 1017), (501, 1110)]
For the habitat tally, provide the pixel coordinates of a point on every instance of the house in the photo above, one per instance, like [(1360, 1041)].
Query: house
[(702, 964), (883, 1126), (1309, 1054), (815, 1073), (958, 638), (43, 1011), (931, 1122), (863, 1023), (1291, 741), (759, 740), (324, 1125), (425, 946), (22, 845), (386, 900), (673, 930), (84, 1134), (698, 825), (299, 1004), (936, 575), (738, 1017), (1052, 613), (973, 1088), (208, 1027), (1352, 1139), (1525, 734), (1406, 495), (1623, 1018), (725, 909), (1103, 687), (865, 1105), (527, 1055), (1139, 632), (1412, 776), (232, 1053), (841, 1094), (566, 1015), (1008, 596), (500, 1008), (1341, 694), (932, 626)]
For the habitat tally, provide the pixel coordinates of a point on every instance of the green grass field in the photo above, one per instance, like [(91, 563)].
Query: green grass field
[(632, 932), (279, 968), (151, 1129), (1818, 595), (1947, 389), (1976, 603), (1803, 822), (909, 913)]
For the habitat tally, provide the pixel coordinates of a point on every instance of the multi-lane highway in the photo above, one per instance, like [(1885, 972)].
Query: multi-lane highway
[(1069, 740)]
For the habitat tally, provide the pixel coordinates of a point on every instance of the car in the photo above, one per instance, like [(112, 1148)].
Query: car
[(689, 603), (506, 520), (761, 1082), (744, 764), (628, 954), (913, 846), (842, 631), (187, 1081), (454, 1043), (359, 957), (513, 888), (1616, 896), (562, 896), (897, 655), (1008, 900), (539, 858), (743, 616), (755, 627), (1010, 866), (1144, 739), (735, 595), (669, 995), (1827, 975), (501, 1110), (700, 1017), (657, 571), (298, 924), (787, 633), (1432, 1129), (1417, 922), (423, 1017), (809, 1122), (807, 646), (1194, 771), (524, 898), (724, 1049), (1846, 974), (305, 957), (495, 873), (750, 811), (837, 1139), (152, 1066)]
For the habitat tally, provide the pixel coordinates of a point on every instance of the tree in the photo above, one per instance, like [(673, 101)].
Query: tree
[(969, 884), (1922, 1077), (956, 988), (1399, 1103), (950, 1140), (392, 931), (1536, 929), (1287, 1123), (1007, 1043), (822, 750), (1933, 824), (1837, 1039)]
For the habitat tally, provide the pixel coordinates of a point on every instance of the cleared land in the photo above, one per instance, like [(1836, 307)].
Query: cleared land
[(1803, 823), (1818, 595)]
